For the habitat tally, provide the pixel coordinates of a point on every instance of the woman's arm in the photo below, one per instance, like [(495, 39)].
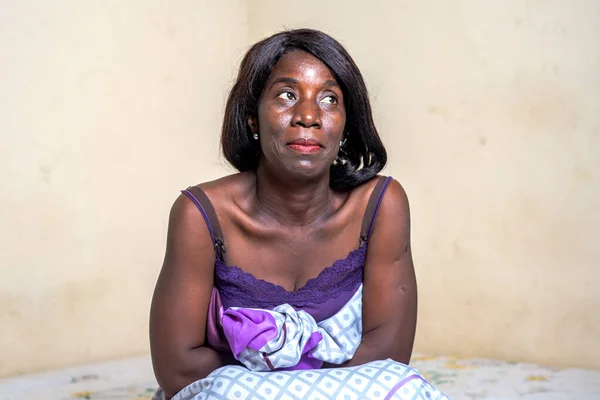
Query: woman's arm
[(180, 354), (389, 287)]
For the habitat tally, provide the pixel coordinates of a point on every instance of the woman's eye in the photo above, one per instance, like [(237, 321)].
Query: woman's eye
[(329, 100), (287, 96)]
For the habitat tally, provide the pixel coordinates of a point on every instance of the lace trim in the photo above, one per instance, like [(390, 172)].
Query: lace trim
[(244, 288)]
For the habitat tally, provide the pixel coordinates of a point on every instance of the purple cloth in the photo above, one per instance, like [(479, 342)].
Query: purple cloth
[(286, 339), (308, 361), (241, 328), (321, 297), (214, 334), (248, 328)]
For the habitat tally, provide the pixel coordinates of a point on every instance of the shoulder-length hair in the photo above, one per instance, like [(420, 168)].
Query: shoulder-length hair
[(362, 155)]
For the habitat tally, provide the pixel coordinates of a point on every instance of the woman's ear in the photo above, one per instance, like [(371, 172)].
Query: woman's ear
[(253, 124)]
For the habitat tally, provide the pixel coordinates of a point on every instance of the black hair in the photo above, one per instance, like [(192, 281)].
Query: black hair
[(362, 155)]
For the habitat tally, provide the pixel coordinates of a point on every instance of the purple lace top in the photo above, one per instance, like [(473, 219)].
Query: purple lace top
[(321, 297)]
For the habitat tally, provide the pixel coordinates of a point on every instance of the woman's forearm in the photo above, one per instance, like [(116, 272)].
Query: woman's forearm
[(363, 355), (196, 364), (377, 345)]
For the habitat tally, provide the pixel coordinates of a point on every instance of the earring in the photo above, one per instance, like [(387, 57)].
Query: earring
[(255, 136)]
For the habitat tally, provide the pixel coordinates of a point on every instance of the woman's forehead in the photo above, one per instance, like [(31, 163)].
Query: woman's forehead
[(301, 66)]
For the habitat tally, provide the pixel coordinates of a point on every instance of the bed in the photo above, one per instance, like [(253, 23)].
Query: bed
[(132, 379)]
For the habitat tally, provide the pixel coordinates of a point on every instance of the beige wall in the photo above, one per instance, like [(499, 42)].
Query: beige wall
[(490, 112), (107, 109)]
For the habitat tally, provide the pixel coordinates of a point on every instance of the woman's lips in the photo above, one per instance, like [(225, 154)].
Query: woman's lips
[(305, 146), (305, 149)]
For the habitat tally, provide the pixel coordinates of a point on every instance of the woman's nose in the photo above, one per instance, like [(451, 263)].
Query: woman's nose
[(307, 114)]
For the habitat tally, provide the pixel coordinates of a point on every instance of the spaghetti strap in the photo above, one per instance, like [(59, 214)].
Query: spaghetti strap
[(199, 198), (372, 207)]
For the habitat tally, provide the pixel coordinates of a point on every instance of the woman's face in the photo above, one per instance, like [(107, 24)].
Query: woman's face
[(301, 117)]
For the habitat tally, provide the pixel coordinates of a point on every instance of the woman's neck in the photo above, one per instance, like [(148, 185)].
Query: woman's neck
[(292, 202)]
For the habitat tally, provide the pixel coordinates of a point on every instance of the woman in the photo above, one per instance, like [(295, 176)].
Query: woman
[(267, 269)]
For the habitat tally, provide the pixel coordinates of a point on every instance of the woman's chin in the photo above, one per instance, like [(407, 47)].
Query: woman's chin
[(308, 170), (299, 169)]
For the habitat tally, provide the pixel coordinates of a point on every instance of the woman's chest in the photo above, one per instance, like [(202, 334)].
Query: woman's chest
[(289, 259)]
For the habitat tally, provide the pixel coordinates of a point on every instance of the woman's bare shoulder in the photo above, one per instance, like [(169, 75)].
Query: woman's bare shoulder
[(362, 192), (227, 186), (360, 195), (228, 191)]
